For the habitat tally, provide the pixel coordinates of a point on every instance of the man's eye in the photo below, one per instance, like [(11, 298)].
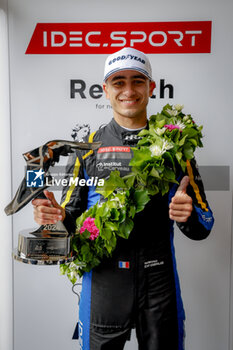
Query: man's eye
[(138, 82), (118, 83)]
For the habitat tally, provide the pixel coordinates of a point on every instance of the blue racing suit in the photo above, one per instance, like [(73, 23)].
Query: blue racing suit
[(138, 286)]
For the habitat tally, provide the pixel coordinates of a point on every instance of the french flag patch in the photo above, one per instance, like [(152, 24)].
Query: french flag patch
[(123, 264)]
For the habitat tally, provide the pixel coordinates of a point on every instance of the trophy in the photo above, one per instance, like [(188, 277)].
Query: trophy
[(49, 244)]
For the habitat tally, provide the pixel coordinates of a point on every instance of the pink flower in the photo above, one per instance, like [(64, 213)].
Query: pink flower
[(89, 225), (171, 127)]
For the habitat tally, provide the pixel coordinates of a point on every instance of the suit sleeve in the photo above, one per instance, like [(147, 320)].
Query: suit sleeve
[(201, 221), (74, 196)]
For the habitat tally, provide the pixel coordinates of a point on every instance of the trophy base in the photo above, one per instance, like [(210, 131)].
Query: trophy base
[(45, 260), (48, 245)]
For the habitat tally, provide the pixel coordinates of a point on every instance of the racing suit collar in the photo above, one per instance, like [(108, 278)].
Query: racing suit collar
[(128, 137)]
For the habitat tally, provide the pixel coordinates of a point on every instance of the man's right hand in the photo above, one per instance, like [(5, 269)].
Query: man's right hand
[(47, 211)]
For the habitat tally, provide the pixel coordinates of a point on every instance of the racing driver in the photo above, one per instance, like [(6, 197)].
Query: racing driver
[(138, 287)]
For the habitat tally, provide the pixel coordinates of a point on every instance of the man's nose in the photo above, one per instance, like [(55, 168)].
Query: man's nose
[(129, 89)]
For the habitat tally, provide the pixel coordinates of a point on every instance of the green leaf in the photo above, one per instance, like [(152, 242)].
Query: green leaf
[(109, 248), (86, 234), (63, 269), (95, 262), (113, 241), (141, 178), (140, 199), (132, 211), (169, 174), (110, 185), (125, 228), (103, 211), (85, 249), (111, 244), (189, 132), (182, 141), (130, 180), (111, 225), (188, 151), (167, 106), (155, 173), (115, 214), (157, 121), (72, 278), (174, 134), (143, 132), (183, 165), (122, 215), (140, 157), (116, 179), (178, 156), (193, 141), (161, 122), (81, 219), (74, 242), (153, 189), (106, 233), (98, 221), (79, 263), (144, 142), (164, 188), (169, 158)]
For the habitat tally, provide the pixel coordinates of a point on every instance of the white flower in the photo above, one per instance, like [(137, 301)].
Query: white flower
[(156, 150), (179, 107), (172, 112), (175, 110), (116, 199), (180, 124), (186, 118), (159, 131), (166, 146), (73, 266)]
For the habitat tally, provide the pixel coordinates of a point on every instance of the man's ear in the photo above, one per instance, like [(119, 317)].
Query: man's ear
[(152, 87), (105, 88)]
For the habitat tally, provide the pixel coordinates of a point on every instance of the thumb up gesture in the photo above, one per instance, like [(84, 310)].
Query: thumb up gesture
[(181, 206)]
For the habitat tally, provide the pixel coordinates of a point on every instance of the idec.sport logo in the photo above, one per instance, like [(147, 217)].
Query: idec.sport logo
[(112, 149), (105, 38)]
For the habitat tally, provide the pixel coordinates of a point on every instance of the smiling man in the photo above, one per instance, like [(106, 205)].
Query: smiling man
[(138, 287), (129, 95)]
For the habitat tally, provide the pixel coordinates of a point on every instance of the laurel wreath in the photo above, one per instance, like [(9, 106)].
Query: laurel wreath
[(171, 139)]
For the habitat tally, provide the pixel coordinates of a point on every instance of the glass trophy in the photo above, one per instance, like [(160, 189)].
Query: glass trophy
[(49, 244)]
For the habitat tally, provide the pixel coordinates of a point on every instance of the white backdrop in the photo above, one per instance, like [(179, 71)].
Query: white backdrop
[(45, 309), (6, 293)]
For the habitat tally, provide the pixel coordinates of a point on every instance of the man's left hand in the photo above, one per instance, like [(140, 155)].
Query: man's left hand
[(181, 206)]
